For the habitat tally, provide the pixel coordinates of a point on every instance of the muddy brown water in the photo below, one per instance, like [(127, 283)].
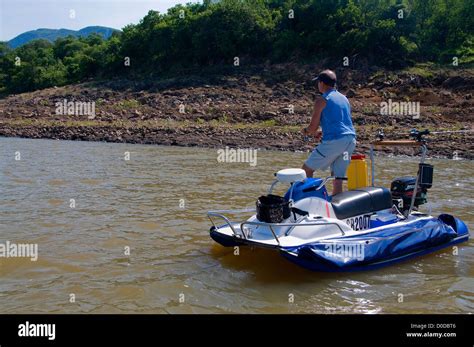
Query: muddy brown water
[(155, 205)]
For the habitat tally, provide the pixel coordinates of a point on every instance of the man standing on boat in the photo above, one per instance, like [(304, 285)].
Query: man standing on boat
[(332, 112)]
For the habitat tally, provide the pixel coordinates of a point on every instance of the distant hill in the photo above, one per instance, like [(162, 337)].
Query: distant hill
[(53, 34)]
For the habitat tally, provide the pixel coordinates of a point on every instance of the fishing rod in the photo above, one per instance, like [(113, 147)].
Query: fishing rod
[(418, 135), (451, 131)]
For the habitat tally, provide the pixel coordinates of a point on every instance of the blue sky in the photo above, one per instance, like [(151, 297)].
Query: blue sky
[(18, 16)]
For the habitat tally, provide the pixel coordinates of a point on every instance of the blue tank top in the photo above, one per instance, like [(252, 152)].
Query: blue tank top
[(336, 119)]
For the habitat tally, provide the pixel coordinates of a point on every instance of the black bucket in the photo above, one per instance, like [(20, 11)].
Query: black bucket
[(272, 208)]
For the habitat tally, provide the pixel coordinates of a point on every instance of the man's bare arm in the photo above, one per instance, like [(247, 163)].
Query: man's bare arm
[(319, 105)]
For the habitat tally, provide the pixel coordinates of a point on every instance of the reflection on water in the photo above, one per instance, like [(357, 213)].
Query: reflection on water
[(132, 236)]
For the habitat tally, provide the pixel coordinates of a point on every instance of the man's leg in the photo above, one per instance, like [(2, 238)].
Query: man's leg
[(336, 187), (340, 165), (317, 160), (309, 171)]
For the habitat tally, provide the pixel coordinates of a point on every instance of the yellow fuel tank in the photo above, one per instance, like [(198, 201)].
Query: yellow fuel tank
[(357, 173)]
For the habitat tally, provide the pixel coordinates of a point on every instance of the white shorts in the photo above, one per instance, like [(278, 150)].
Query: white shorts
[(335, 154)]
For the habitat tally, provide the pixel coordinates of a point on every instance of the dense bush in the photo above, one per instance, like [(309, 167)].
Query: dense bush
[(391, 33)]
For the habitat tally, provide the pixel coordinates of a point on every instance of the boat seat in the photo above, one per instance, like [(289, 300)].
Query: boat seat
[(361, 201)]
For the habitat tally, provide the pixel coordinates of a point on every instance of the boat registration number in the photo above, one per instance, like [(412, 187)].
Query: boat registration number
[(359, 222)]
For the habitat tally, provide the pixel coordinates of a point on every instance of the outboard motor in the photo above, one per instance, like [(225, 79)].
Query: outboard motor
[(403, 188)]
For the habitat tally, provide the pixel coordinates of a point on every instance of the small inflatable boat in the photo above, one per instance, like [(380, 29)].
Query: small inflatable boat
[(364, 228)]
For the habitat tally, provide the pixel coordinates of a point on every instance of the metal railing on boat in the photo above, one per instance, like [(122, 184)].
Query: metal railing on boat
[(219, 214)]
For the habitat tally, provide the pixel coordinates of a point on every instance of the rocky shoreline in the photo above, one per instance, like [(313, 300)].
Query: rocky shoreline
[(256, 109), (198, 136)]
